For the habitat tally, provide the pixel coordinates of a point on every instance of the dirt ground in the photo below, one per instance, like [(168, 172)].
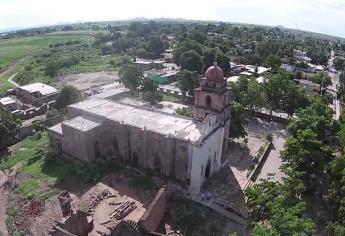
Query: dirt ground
[(120, 192), (87, 81), (3, 202)]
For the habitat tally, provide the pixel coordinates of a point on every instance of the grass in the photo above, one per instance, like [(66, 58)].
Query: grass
[(28, 188), (16, 48), (169, 98), (24, 152), (12, 213), (4, 84)]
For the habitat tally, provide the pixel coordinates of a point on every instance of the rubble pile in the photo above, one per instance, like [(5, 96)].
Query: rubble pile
[(65, 201), (31, 208), (96, 198)]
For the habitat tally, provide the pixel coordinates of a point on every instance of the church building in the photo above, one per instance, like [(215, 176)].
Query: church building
[(186, 149)]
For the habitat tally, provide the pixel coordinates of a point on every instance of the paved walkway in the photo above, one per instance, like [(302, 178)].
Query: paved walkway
[(279, 134), (10, 80)]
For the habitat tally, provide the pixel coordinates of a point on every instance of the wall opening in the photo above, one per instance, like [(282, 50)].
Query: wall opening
[(208, 101), (208, 169)]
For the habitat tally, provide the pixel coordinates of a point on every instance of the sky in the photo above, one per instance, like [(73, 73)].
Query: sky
[(323, 16)]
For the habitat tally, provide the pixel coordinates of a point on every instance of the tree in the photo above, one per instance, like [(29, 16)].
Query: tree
[(68, 95), (184, 46), (9, 125), (339, 63), (131, 77), (198, 36), (187, 81), (155, 45), (274, 62), (273, 212), (238, 121), (249, 94), (106, 49), (150, 92), (191, 60)]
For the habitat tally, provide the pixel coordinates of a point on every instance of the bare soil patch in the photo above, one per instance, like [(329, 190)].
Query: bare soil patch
[(87, 81)]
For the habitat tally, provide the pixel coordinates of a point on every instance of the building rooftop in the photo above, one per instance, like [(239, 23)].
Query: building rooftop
[(82, 123), (6, 101), (39, 87), (154, 120), (57, 129)]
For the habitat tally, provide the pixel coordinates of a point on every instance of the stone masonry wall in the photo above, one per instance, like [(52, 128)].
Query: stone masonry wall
[(154, 213)]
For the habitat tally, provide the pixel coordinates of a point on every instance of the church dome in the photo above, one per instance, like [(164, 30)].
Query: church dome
[(214, 73)]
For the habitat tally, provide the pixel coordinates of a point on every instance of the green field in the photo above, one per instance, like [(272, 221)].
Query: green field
[(14, 49)]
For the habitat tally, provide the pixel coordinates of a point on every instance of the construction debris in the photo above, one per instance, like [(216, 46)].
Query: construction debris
[(95, 199), (123, 210)]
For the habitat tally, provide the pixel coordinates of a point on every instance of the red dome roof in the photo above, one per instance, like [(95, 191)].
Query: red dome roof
[(214, 73)]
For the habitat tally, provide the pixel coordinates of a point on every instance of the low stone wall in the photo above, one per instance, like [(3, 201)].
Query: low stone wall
[(275, 118), (154, 213), (29, 130), (261, 162)]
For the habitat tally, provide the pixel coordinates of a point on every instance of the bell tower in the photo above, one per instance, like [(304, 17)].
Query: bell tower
[(213, 97)]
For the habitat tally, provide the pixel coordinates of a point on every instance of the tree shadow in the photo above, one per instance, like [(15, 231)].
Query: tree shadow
[(239, 157)]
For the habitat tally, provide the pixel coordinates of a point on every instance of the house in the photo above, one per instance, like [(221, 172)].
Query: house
[(8, 104), (37, 93)]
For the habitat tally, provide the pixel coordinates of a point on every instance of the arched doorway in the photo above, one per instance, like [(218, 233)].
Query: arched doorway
[(157, 163), (97, 150), (135, 160), (208, 169), (208, 101)]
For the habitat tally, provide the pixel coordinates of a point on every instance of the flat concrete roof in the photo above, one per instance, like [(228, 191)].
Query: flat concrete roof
[(56, 128), (81, 123), (165, 124), (39, 87), (7, 100)]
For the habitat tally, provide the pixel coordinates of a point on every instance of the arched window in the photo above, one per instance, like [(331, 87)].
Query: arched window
[(208, 169), (214, 157), (208, 101), (97, 150)]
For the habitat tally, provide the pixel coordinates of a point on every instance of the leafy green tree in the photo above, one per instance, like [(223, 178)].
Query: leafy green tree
[(184, 46), (318, 117), (274, 62), (155, 45), (273, 210), (150, 92), (131, 77), (198, 36), (9, 125), (238, 121), (68, 95), (339, 63), (187, 81), (106, 49), (191, 60), (304, 152), (249, 94)]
